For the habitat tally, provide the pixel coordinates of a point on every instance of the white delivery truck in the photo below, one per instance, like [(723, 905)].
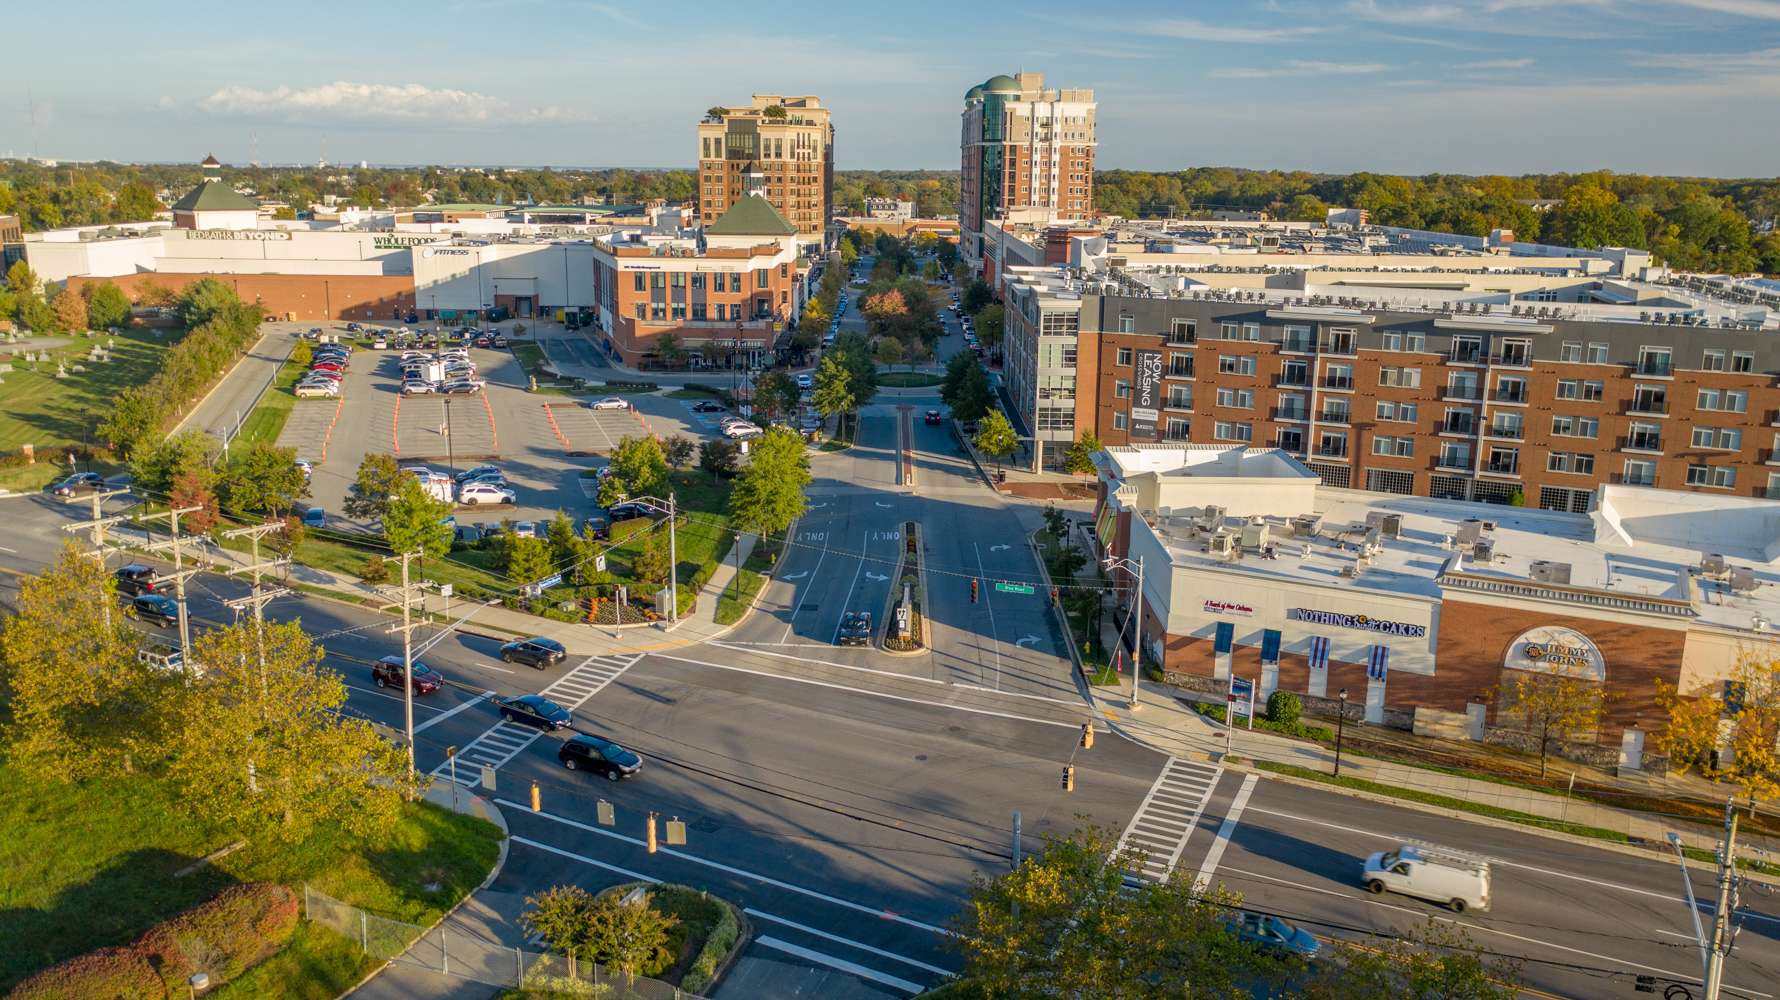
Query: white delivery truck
[(436, 484), (1442, 875)]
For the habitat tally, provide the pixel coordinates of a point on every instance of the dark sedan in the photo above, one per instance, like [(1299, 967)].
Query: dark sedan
[(80, 482), (135, 579), (535, 710), (855, 629), (536, 652), (707, 406), (934, 417), (387, 672), (590, 753), (156, 609)]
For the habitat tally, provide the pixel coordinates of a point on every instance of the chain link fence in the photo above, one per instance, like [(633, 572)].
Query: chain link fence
[(467, 954)]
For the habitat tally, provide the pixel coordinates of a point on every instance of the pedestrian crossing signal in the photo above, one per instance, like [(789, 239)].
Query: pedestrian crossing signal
[(652, 844), (973, 590)]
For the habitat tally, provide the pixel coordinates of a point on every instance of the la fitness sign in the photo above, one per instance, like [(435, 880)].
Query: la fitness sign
[(1554, 649)]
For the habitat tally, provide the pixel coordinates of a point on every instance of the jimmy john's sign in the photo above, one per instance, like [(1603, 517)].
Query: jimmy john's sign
[(1553, 649)]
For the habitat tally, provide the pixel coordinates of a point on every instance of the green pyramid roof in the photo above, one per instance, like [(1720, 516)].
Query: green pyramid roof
[(752, 216), (215, 196)]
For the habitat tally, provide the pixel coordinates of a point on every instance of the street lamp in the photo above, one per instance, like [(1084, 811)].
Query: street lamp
[(1340, 718), (450, 454), (671, 509), (1128, 565)]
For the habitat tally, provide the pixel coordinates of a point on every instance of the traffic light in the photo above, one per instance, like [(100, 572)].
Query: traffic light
[(1087, 736), (973, 590), (1054, 597), (1069, 777), (537, 800), (651, 833)]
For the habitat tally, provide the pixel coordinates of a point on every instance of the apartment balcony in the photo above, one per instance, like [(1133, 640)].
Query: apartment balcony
[(1453, 463), (1466, 427), (1624, 479), (1291, 414), (1288, 444), (1513, 359), (1334, 416), (1338, 381), (1500, 467), (1770, 456), (1648, 368), (1503, 394), (1648, 408), (1331, 451), (1346, 347), (1295, 346), (1180, 371), (1468, 393), (1180, 340), (1648, 444), (1301, 382), (1503, 433), (1473, 356)]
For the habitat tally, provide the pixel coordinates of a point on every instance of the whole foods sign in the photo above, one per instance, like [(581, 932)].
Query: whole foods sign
[(1364, 623), (1554, 649)]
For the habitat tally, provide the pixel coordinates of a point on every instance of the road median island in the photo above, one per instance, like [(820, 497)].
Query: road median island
[(909, 577)]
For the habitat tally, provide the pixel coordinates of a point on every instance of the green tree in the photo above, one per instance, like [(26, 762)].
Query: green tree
[(957, 370), (668, 349), (563, 917), (188, 453), (718, 457), (651, 563), (890, 351), (79, 702), (996, 438), (204, 300), (22, 281), (378, 479), (561, 536), (776, 394), (849, 254), (991, 327), (302, 354), (769, 493), (931, 270), (816, 313), (263, 745), (415, 522), (34, 313), (1079, 459), (630, 937), (974, 396), (135, 202), (529, 560), (107, 306), (834, 387), (263, 478), (639, 468), (679, 451), (976, 297)]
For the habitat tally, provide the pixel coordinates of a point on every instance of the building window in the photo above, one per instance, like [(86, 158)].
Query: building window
[(698, 310), (1455, 455), (1400, 412), (1121, 389), (1295, 373), (1585, 427), (1505, 424), (1124, 357), (657, 312), (1177, 429), (1338, 377), (642, 310), (1724, 400), (1298, 338), (1180, 366), (1503, 461), (1391, 341), (1251, 331), (1721, 438), (1742, 361), (1517, 352), (642, 281), (1572, 462), (760, 279), (1225, 430), (1236, 364), (1717, 476), (698, 282), (1571, 351), (1640, 472), (1644, 436), (1401, 447), (1332, 444), (1597, 354), (1230, 331), (1655, 399), (1182, 331), (1289, 439), (1511, 389), (1180, 397), (1241, 399), (1467, 350), (1712, 361), (1127, 324), (1414, 341), (1656, 361), (657, 280), (1121, 421), (1405, 378)]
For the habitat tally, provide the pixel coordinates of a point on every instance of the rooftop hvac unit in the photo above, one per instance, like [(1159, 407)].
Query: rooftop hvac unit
[(1546, 571), (1212, 516), (1307, 525), (1483, 550), (1470, 530), (1389, 525), (1743, 581), (1759, 623), (1256, 534), (1713, 565), (1221, 544)]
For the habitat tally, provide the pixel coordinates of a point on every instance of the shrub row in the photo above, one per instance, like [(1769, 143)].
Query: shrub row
[(224, 936), (1294, 728), (704, 966)]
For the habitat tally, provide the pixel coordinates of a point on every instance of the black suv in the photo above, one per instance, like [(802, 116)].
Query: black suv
[(136, 579), (855, 629), (627, 511), (536, 652), (590, 753), (156, 609)]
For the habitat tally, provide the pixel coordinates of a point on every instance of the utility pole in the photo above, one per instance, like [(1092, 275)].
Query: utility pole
[(673, 562), (97, 526), (407, 630), (1722, 932), (177, 544), (259, 598)]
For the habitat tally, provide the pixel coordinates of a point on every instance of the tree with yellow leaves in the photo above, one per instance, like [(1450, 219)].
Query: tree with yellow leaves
[(1739, 717)]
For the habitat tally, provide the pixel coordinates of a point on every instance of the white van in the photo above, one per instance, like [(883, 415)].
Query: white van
[(1452, 878)]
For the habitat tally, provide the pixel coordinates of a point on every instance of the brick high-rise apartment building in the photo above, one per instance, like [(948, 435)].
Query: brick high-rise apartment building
[(788, 142), (1438, 402), (1023, 147)]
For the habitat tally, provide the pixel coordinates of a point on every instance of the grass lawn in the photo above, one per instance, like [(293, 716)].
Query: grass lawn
[(89, 865), (529, 354), (739, 595), (908, 380), (48, 412), (267, 419), (319, 963), (33, 478)]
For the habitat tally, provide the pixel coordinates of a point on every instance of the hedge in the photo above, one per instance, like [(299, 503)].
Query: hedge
[(224, 936), (717, 945)]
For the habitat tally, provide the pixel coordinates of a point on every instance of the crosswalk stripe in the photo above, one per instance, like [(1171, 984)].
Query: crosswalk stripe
[(1169, 813), (505, 740)]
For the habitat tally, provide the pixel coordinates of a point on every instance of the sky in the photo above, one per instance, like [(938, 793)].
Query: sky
[(1420, 86)]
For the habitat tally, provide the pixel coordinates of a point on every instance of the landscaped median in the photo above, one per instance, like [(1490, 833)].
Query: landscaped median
[(659, 935), (737, 599)]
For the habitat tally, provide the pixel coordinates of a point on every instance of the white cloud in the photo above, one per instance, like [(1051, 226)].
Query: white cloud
[(1300, 67), (1199, 31), (376, 102), (1433, 13), (1762, 9), (1489, 64)]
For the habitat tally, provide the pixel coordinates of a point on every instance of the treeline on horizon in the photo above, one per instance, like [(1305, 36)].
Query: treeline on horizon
[(1702, 224)]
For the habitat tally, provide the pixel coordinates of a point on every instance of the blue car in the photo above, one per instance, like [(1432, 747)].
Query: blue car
[(315, 517), (1269, 933)]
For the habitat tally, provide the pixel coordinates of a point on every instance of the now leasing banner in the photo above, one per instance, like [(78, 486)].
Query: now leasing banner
[(1146, 394)]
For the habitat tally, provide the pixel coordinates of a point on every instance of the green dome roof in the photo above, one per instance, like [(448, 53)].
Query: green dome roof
[(1001, 81), (974, 93)]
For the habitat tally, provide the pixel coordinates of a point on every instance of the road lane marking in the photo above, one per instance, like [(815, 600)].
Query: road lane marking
[(881, 953), (791, 621), (435, 720), (868, 691), (1155, 828), (505, 740), (731, 870), (843, 965), (989, 603), (391, 697), (1202, 881), (864, 538)]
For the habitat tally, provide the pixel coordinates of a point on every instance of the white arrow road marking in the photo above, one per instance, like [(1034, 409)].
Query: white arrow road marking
[(882, 504), (997, 548), (795, 576), (1023, 640), (814, 506), (874, 576)]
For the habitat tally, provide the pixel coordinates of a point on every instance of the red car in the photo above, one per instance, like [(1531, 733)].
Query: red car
[(326, 366), (387, 672)]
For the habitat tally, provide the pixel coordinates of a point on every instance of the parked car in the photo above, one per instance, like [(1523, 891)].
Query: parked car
[(608, 403), (804, 381), (482, 341), (535, 710), (1455, 879), (467, 534), (387, 672), (472, 473), (498, 340), (418, 387), (312, 390), (741, 429), (599, 522), (327, 366), (1270, 933), (528, 529), (627, 511), (855, 629), (495, 478), (315, 517), (934, 417), (537, 652), (475, 494), (462, 387), (156, 609), (324, 375), (306, 467), (136, 579), (379, 343), (707, 406), (79, 482), (582, 752)]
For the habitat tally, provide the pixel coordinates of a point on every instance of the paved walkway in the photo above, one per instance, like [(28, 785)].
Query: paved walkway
[(236, 392)]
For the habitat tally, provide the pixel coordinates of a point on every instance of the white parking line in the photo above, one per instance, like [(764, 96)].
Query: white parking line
[(1202, 881), (881, 953), (435, 720), (845, 966)]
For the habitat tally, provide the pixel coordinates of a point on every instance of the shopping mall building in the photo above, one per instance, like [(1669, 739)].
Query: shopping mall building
[(1422, 611)]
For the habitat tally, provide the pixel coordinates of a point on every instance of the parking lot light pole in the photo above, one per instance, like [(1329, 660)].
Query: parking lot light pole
[(1340, 718), (672, 510), (450, 453)]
